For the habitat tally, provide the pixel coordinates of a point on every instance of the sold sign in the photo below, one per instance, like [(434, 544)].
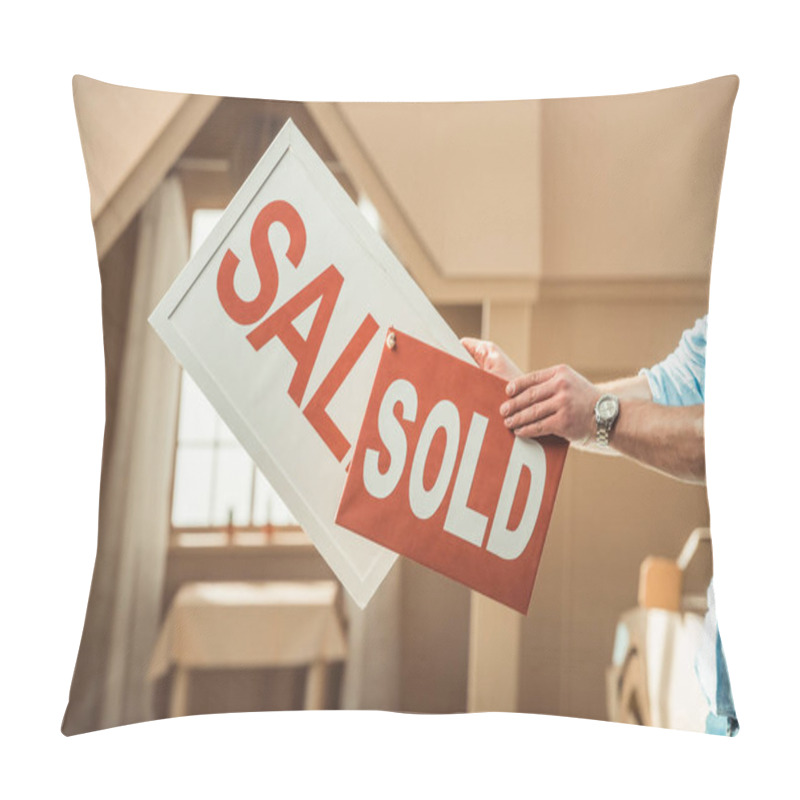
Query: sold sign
[(437, 476)]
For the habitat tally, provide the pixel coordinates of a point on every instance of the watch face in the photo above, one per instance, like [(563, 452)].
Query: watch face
[(607, 408)]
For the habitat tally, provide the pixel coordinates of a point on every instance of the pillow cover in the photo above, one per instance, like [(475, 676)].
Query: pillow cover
[(576, 231)]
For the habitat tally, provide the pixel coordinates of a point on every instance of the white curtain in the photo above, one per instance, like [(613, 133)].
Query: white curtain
[(110, 686)]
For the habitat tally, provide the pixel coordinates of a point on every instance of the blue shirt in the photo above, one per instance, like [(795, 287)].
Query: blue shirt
[(680, 379)]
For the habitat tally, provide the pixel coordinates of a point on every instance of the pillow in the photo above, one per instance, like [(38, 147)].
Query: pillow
[(570, 231)]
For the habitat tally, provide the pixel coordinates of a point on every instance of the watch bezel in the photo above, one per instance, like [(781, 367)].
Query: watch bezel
[(599, 412)]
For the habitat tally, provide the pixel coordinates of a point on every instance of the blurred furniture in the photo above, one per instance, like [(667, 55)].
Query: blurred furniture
[(652, 678), (246, 625)]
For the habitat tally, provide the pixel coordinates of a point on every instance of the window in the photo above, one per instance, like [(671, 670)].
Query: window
[(219, 496)]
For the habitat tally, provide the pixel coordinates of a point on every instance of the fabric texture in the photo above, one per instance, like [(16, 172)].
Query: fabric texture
[(250, 624), (679, 380), (712, 672), (623, 191), (122, 623)]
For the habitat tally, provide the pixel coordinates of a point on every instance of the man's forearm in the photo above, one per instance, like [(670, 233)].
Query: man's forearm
[(558, 401), (667, 438), (634, 388)]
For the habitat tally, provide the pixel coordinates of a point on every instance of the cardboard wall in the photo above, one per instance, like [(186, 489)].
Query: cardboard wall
[(610, 514)]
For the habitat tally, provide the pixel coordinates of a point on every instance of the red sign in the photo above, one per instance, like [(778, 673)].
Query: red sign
[(436, 475)]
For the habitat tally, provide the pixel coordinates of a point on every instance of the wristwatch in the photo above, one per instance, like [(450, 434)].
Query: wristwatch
[(606, 412)]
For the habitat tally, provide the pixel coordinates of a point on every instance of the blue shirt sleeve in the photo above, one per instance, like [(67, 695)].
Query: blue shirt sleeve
[(679, 380)]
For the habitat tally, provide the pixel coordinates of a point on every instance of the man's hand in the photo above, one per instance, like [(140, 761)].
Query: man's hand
[(555, 401), (559, 401), (491, 358)]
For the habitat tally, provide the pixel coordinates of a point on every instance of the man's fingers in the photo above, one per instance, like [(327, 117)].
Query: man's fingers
[(531, 379), (527, 397), (543, 427), (531, 413), (476, 348)]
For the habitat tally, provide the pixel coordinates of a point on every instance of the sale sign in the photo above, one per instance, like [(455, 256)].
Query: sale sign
[(279, 318), (437, 477)]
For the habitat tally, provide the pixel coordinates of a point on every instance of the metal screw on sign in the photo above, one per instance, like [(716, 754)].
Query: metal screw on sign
[(391, 340)]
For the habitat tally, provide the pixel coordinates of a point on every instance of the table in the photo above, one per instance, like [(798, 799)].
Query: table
[(246, 625)]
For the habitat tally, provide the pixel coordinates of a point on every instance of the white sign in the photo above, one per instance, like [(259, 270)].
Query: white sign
[(280, 318)]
